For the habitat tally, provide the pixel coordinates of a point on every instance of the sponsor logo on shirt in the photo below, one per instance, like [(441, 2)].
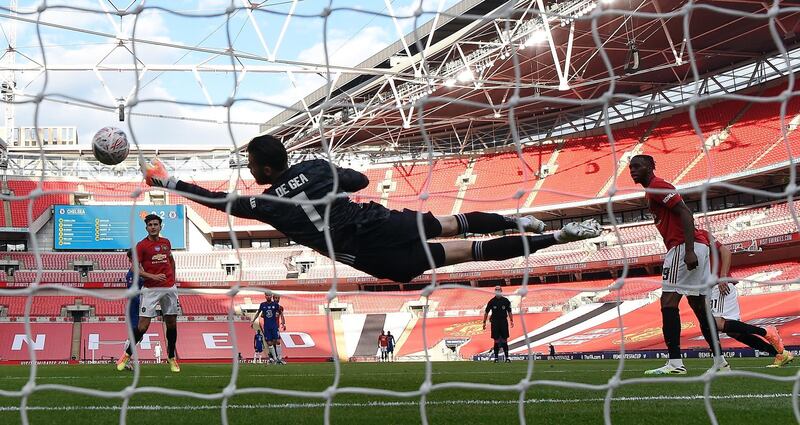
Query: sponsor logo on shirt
[(253, 202), (159, 257), (669, 196)]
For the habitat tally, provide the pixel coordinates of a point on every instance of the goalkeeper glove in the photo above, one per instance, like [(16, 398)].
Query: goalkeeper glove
[(156, 174)]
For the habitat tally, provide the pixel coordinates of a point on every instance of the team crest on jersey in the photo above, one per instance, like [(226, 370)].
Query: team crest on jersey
[(158, 248)]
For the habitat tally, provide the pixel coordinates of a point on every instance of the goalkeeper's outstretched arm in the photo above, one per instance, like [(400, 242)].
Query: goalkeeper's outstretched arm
[(246, 206), (158, 176)]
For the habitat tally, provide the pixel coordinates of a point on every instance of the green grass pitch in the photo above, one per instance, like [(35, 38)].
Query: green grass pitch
[(735, 399)]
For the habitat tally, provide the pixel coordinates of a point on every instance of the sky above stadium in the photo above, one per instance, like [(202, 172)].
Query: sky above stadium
[(175, 103)]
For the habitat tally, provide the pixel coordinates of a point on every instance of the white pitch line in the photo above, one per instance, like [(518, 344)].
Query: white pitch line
[(401, 403), (539, 369)]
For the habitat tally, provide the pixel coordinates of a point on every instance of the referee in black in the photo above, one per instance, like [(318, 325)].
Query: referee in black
[(500, 307)]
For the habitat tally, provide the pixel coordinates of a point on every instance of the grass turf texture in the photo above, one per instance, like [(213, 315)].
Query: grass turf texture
[(735, 399)]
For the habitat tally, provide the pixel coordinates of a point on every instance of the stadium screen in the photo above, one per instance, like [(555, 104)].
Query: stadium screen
[(99, 227)]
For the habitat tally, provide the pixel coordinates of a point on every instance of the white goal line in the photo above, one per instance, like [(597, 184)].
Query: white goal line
[(404, 403)]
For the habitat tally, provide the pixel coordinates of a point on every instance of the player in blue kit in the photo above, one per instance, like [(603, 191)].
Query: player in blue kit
[(270, 310), (134, 305), (280, 320), (390, 346), (258, 346)]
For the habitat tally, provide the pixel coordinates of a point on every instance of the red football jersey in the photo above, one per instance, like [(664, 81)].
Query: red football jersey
[(667, 221), (383, 340), (155, 259)]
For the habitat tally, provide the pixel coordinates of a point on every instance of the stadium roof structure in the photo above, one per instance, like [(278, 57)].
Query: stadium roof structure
[(473, 51)]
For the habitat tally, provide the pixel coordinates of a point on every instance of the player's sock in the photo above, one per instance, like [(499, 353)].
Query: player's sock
[(278, 353), (698, 305), (754, 342), (481, 222), (496, 349), (505, 349), (676, 362), (172, 336), (137, 335), (671, 327), (509, 247), (273, 353), (709, 335), (735, 326)]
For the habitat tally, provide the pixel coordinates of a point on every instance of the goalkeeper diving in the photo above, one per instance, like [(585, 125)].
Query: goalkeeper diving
[(369, 237)]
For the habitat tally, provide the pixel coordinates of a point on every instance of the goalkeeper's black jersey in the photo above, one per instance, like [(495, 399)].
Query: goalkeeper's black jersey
[(304, 223)]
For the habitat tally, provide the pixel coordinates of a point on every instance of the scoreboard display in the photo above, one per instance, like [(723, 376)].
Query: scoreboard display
[(99, 227)]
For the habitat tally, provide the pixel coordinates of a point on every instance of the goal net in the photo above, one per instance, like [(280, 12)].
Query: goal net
[(526, 107)]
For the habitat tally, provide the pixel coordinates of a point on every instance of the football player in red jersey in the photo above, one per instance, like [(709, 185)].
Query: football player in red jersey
[(157, 267), (686, 265), (383, 345)]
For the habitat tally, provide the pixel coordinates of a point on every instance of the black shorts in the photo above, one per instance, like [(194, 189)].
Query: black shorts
[(500, 329), (394, 249)]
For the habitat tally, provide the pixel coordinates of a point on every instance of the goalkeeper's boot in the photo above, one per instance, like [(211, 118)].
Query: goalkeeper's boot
[(122, 362), (173, 365), (667, 369), (532, 224), (782, 359), (575, 231)]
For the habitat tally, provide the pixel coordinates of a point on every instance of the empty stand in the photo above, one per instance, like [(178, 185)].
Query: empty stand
[(499, 176), (584, 165), (409, 180), (19, 209), (43, 305)]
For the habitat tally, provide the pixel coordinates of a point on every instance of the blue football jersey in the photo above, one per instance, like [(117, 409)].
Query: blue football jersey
[(269, 311), (129, 279)]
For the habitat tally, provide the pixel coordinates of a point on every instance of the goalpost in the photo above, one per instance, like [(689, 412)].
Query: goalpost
[(431, 72), (94, 346)]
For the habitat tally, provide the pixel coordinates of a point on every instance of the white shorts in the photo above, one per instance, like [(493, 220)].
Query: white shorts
[(677, 278), (167, 298), (383, 349), (726, 307)]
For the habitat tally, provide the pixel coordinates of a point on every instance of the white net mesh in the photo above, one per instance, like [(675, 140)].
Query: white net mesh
[(597, 55)]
